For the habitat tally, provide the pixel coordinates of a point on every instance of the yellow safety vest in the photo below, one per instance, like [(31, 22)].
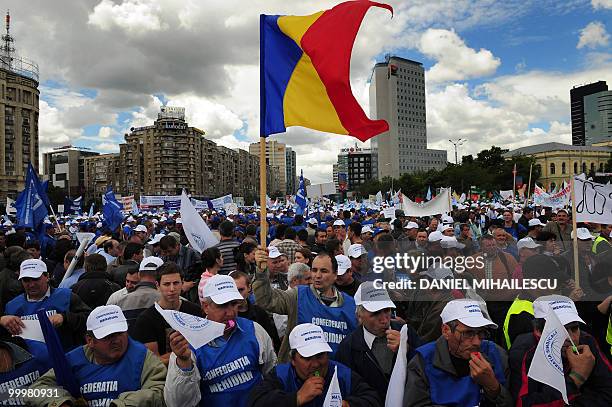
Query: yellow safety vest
[(516, 308), (597, 241), (609, 335)]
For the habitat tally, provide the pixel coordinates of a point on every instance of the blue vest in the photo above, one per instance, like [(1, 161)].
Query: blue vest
[(57, 302), (26, 373), (336, 322), (448, 390), (101, 384), (230, 370), (292, 383)]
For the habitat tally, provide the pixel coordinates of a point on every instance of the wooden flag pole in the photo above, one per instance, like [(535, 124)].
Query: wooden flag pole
[(513, 187), (528, 186), (263, 212), (575, 238)]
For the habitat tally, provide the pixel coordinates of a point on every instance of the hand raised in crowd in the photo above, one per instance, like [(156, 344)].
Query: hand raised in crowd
[(180, 347), (12, 323), (576, 294), (312, 387), (581, 363), (261, 258), (393, 339), (56, 319), (482, 373)]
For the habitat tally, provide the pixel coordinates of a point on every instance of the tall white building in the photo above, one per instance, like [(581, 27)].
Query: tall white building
[(397, 94), (284, 158)]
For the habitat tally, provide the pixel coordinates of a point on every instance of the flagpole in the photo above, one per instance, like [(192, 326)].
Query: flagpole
[(528, 186), (263, 212), (575, 239), (513, 187)]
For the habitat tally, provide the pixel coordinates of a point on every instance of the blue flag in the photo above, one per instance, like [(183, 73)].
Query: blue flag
[(111, 208), (428, 197), (73, 206), (91, 209), (63, 373), (30, 205), (300, 198)]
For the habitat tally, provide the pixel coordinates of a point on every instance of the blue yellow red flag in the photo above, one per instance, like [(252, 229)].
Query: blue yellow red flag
[(304, 72)]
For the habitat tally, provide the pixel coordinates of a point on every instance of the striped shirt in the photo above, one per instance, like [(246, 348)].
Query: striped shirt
[(226, 247)]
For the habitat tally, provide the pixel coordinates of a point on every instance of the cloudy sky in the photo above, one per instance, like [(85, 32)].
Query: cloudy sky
[(496, 72)]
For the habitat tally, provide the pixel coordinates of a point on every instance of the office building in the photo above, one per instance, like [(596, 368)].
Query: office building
[(357, 166), (397, 95), (100, 172), (577, 101), (598, 117), (283, 157), (64, 167), (19, 99)]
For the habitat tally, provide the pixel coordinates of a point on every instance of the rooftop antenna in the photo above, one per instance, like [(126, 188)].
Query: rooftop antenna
[(8, 41)]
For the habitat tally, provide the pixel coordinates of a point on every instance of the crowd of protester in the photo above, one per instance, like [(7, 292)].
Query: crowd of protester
[(306, 305)]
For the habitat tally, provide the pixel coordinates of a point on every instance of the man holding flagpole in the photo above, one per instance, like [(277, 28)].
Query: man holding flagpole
[(558, 363), (311, 378)]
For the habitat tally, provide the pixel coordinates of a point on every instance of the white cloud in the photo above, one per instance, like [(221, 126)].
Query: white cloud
[(134, 16), (107, 147), (52, 132), (593, 35), (106, 132), (605, 4), (456, 61)]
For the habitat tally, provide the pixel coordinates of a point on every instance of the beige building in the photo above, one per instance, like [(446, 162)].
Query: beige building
[(284, 158), (100, 172), (18, 118), (168, 156), (558, 162)]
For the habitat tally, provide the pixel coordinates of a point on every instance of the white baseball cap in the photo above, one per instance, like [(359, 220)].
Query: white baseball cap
[(583, 234), (344, 263), (150, 263), (308, 340), (339, 223), (435, 236), (449, 242), (411, 225), (312, 221), (366, 229), (179, 220), (141, 228), (371, 298), (527, 243), (274, 253), (356, 250), (561, 305), (467, 312), (535, 222), (131, 219), (443, 228), (157, 238), (32, 268), (221, 289), (106, 320)]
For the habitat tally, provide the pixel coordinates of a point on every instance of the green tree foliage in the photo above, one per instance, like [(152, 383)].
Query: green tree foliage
[(489, 171)]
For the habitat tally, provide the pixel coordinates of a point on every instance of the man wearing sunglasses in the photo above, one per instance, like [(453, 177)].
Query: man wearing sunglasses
[(461, 367), (588, 374)]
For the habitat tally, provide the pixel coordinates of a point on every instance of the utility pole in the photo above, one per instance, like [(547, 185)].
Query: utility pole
[(457, 143)]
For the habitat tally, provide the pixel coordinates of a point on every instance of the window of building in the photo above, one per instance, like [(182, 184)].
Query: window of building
[(584, 167), (575, 168), (563, 168), (552, 168), (592, 167)]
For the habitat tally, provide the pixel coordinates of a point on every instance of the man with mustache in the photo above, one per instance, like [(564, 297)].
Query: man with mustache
[(460, 368), (306, 379), (111, 369), (588, 374)]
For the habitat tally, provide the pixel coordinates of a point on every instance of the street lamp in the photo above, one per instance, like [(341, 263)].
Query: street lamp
[(391, 178), (457, 143)]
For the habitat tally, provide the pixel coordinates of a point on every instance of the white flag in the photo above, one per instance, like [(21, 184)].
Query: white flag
[(197, 331), (547, 365), (379, 197), (10, 206), (199, 235), (397, 383), (440, 204), (333, 398)]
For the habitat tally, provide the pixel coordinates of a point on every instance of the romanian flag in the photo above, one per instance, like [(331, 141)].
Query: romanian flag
[(304, 72)]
